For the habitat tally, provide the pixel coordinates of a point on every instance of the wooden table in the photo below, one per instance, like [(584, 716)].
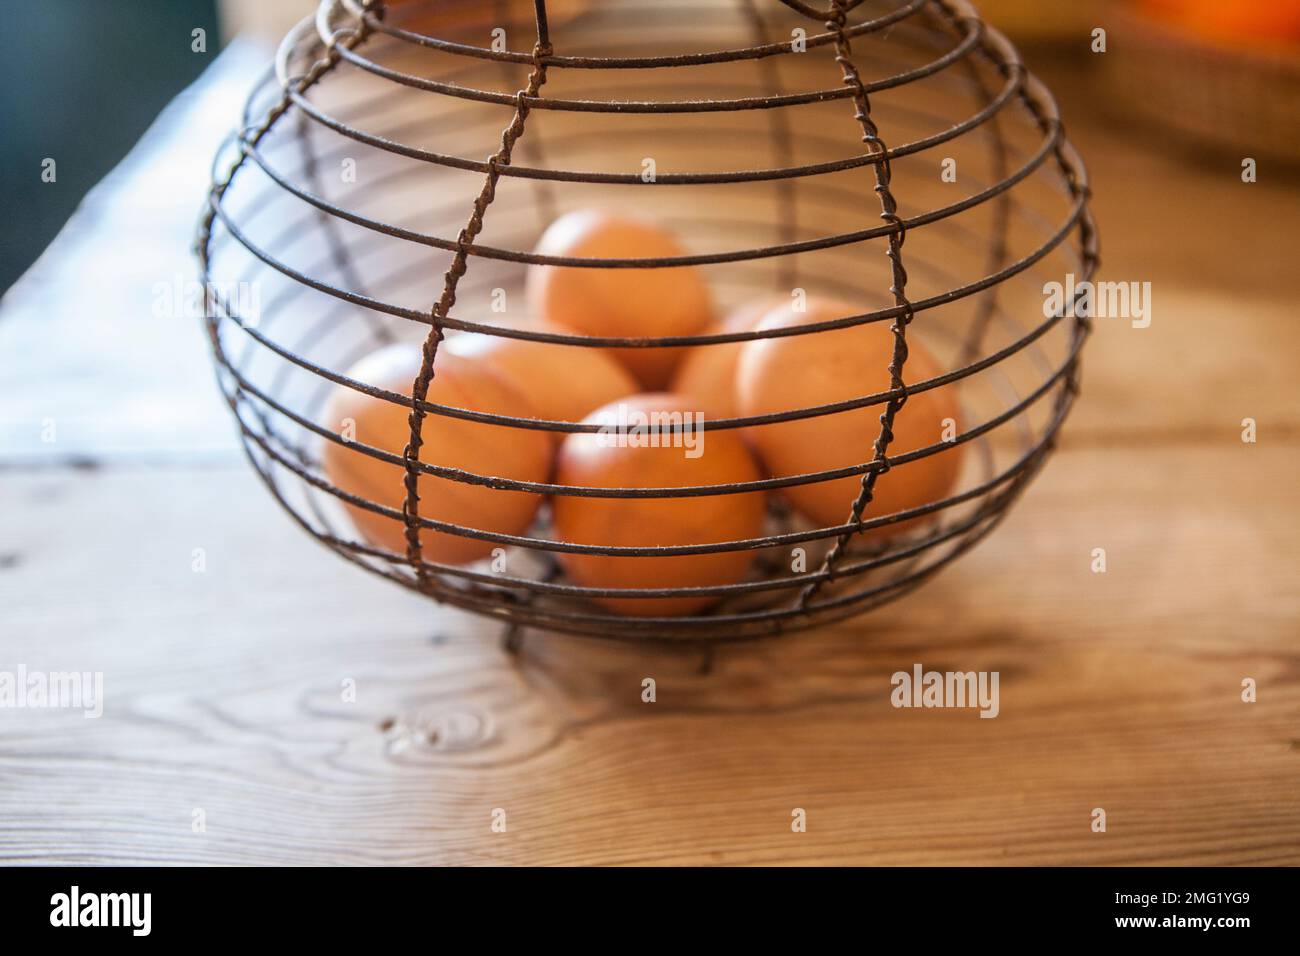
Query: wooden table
[(225, 689)]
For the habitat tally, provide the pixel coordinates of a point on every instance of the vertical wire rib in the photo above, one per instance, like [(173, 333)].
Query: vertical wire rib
[(429, 352), (837, 17)]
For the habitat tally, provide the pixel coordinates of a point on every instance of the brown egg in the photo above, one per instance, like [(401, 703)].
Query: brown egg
[(708, 372), (620, 303), (595, 461), (562, 382), (495, 450), (819, 368)]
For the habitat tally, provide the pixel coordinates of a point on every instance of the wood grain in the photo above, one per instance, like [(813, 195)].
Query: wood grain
[(223, 692)]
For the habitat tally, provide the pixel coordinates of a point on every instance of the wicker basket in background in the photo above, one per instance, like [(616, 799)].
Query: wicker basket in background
[(1235, 99)]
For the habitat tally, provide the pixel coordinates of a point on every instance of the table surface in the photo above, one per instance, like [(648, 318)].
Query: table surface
[(223, 689)]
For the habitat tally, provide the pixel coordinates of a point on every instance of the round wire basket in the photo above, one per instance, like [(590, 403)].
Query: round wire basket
[(896, 156)]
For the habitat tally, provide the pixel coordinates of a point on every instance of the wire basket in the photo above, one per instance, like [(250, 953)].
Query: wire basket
[(895, 156)]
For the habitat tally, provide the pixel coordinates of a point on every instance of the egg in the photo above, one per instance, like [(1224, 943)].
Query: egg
[(596, 461), (562, 382), (623, 302), (708, 372), (820, 368), (491, 450)]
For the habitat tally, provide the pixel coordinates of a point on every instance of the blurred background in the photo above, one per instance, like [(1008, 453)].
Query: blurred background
[(1214, 72), (118, 63)]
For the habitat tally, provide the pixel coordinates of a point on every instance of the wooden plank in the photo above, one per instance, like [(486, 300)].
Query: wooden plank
[(223, 692)]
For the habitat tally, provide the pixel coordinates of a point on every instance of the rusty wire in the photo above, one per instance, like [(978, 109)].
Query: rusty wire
[(341, 33)]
